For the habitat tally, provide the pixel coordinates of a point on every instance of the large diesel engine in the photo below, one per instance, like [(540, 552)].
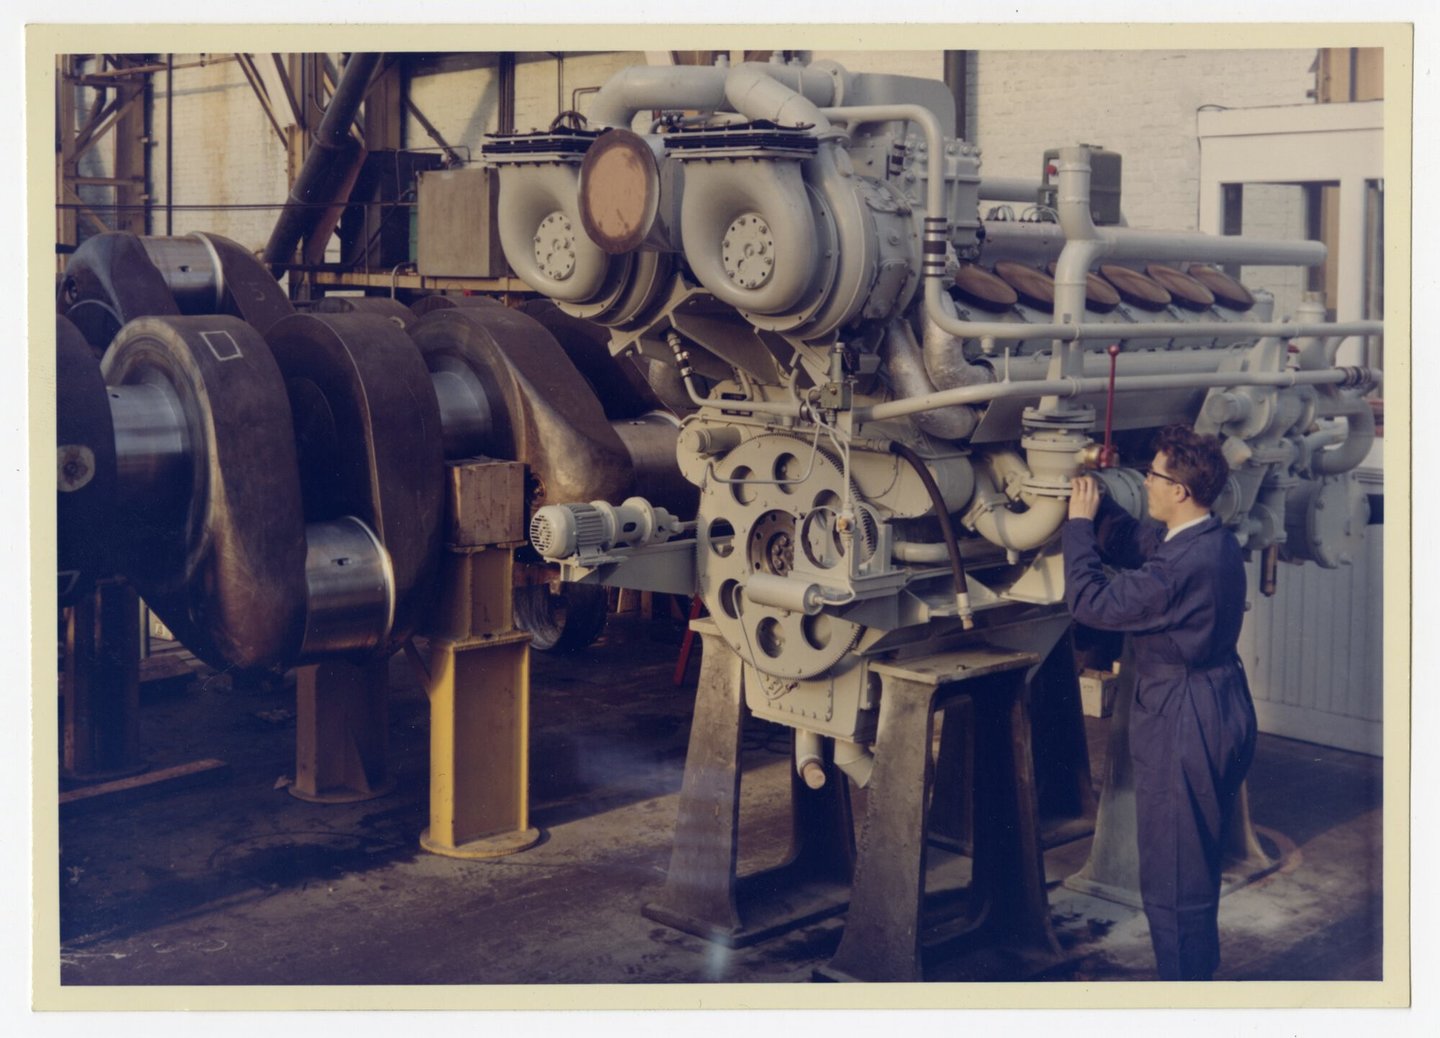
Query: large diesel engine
[(888, 386)]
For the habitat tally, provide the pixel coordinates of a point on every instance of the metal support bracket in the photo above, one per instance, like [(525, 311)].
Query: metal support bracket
[(100, 688), (342, 732), (478, 675), (890, 929), (703, 895)]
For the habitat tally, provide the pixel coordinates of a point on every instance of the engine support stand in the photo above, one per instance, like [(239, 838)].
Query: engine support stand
[(703, 895), (342, 732), (887, 932)]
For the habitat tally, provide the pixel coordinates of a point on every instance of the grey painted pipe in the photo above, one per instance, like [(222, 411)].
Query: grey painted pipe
[(1359, 438), (701, 88), (906, 367), (1132, 384)]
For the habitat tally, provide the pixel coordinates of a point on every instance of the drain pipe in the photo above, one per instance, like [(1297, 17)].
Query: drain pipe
[(855, 760), (851, 758), (809, 760), (325, 177)]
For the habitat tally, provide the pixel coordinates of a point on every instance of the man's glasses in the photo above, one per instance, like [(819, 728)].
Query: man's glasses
[(1149, 472)]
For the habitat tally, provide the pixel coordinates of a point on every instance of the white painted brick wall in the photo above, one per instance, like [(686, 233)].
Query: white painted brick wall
[(226, 154), (1139, 103)]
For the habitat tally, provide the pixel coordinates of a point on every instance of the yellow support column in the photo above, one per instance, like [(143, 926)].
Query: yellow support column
[(479, 674)]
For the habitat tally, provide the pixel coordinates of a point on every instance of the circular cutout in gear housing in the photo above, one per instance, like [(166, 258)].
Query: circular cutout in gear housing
[(764, 522)]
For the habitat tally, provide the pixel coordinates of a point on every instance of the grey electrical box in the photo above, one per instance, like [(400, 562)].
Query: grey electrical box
[(459, 229), (1104, 183)]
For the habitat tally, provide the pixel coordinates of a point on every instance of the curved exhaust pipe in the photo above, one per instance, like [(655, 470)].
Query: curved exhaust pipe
[(329, 171)]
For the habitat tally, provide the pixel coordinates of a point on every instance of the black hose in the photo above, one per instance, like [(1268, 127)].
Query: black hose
[(952, 545)]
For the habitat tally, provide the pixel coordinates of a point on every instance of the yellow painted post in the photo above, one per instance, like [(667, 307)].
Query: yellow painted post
[(342, 732), (479, 674)]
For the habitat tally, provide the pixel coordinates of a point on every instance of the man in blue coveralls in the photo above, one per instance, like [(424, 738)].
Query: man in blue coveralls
[(1179, 592)]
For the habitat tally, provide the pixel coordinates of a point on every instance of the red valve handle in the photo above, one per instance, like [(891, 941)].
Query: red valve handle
[(1109, 456)]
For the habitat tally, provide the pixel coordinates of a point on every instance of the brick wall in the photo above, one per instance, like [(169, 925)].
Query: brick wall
[(225, 154)]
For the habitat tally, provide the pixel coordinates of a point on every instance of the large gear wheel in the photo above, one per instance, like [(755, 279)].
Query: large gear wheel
[(758, 511)]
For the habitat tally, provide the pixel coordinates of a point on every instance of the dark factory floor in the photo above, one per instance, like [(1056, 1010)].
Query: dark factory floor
[(234, 882)]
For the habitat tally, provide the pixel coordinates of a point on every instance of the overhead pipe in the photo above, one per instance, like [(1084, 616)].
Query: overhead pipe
[(325, 177), (1114, 242), (690, 87), (1009, 189), (1074, 386)]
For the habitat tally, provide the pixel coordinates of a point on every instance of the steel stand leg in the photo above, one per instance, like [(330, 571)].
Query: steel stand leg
[(342, 732), (101, 686), (478, 676), (883, 939), (1066, 802), (1112, 871), (703, 895)]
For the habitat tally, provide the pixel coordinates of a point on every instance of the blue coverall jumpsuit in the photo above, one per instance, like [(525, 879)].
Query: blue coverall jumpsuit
[(1192, 724)]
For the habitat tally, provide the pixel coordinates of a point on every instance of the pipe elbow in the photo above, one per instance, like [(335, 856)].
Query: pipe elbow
[(1021, 531), (908, 378), (1359, 438), (755, 94), (856, 761), (1014, 531), (944, 356)]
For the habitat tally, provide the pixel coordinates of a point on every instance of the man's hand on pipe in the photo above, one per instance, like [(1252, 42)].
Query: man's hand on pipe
[(1084, 497)]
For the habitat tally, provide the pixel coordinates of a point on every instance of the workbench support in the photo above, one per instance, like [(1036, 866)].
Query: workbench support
[(703, 895)]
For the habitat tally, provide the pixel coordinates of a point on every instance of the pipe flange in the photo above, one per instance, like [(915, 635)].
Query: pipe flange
[(1041, 487), (1080, 419)]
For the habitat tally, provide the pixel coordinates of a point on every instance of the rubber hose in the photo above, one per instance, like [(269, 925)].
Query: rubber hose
[(947, 530)]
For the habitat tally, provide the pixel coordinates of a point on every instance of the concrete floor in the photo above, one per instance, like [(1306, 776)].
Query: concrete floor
[(239, 883)]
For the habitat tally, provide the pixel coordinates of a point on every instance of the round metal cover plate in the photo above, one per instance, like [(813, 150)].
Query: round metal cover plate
[(1228, 292), (1186, 291), (619, 191), (980, 288), (1035, 287), (1135, 288)]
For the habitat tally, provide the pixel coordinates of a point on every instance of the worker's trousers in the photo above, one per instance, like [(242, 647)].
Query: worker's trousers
[(1192, 737)]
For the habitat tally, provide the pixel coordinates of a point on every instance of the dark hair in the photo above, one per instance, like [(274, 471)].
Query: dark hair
[(1195, 461)]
